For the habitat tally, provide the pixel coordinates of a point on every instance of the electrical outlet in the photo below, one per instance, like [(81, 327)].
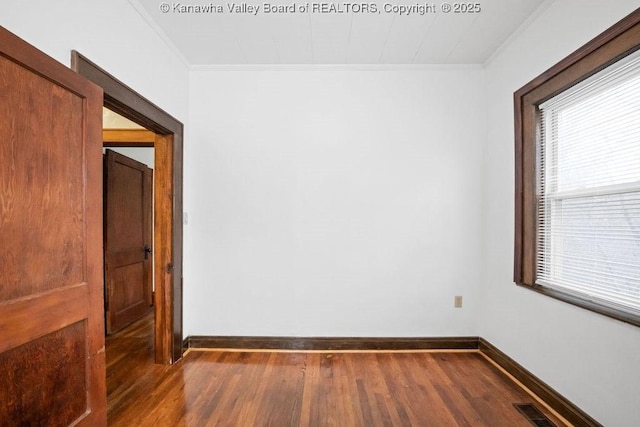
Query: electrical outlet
[(457, 302)]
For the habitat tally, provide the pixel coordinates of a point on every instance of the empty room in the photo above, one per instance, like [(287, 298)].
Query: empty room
[(292, 213)]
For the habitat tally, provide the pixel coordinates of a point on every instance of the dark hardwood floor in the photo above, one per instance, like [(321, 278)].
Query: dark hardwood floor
[(224, 388)]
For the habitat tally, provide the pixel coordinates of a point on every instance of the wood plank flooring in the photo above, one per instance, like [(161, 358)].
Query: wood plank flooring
[(223, 388)]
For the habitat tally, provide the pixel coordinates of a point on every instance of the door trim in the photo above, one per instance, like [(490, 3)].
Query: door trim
[(168, 199), (128, 138)]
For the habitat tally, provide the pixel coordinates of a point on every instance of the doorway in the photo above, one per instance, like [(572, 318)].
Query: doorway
[(167, 134), (128, 236), (128, 222)]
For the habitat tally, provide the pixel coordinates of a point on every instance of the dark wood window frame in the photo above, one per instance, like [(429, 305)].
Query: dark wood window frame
[(615, 43)]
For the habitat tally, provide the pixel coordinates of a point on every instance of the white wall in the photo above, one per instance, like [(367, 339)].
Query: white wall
[(110, 33), (335, 202), (591, 359), (144, 155)]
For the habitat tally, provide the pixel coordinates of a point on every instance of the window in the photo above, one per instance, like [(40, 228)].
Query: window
[(578, 177)]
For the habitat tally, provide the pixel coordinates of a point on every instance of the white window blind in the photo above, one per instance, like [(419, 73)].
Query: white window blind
[(589, 188)]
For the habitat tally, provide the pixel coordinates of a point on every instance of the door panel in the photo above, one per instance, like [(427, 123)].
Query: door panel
[(46, 159), (51, 307), (127, 234), (66, 349)]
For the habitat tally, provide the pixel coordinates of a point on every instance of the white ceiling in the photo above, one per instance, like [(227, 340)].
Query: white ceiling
[(113, 120), (337, 38)]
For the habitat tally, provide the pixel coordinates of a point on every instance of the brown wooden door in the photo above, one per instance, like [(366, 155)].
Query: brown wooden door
[(127, 240), (52, 368)]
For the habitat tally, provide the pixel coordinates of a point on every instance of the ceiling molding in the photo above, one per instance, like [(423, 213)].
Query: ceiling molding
[(534, 16), (335, 67), (159, 31)]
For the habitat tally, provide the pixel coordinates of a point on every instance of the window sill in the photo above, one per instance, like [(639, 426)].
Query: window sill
[(585, 303)]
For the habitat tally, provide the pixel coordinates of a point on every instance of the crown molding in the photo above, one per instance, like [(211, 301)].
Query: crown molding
[(335, 67), (159, 31)]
